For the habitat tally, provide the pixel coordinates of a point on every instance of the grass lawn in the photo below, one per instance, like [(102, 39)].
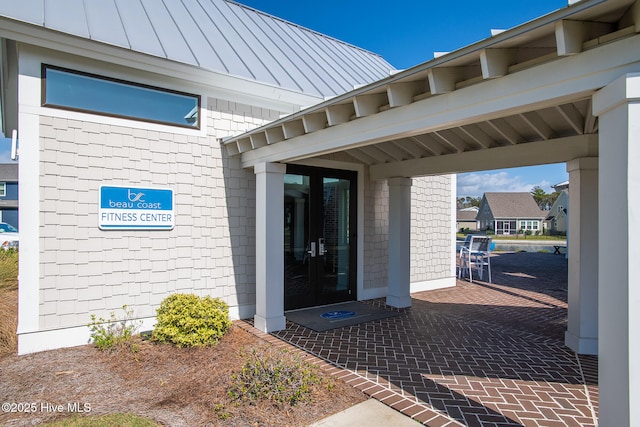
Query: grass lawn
[(120, 420)]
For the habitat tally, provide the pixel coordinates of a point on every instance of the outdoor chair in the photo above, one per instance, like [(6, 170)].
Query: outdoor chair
[(476, 254), (467, 242)]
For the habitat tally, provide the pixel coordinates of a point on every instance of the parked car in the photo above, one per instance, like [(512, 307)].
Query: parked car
[(8, 236)]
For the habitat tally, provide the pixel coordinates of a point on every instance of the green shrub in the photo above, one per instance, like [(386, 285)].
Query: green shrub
[(274, 375), (114, 333), (188, 320)]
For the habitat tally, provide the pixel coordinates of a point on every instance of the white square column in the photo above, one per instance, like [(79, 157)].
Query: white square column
[(399, 245), (618, 108), (582, 330), (270, 247)]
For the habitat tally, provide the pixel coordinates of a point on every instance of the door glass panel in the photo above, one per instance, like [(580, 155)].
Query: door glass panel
[(334, 247), (296, 240)]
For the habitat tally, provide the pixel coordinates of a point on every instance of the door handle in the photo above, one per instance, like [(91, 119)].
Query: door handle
[(312, 251), (321, 248)]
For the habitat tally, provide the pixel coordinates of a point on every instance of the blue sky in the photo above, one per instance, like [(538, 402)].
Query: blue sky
[(408, 32)]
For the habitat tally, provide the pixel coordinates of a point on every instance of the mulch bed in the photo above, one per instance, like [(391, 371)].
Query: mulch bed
[(175, 387)]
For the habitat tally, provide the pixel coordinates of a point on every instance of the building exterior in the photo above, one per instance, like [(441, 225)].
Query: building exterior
[(466, 219), (510, 213), (9, 194), (123, 202), (558, 216), (224, 195)]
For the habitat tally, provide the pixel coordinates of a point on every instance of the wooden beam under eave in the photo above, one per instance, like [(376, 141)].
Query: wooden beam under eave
[(403, 93), (443, 80), (293, 129), (495, 62), (373, 152), (570, 35), (244, 145), (275, 134), (571, 114), (232, 149), (258, 140), (590, 121), (526, 154), (476, 134), (367, 105), (359, 155), (505, 130), (338, 114), (413, 149), (428, 143), (448, 139), (392, 150), (314, 122), (538, 125)]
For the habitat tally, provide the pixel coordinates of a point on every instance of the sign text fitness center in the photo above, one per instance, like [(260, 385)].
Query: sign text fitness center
[(130, 208)]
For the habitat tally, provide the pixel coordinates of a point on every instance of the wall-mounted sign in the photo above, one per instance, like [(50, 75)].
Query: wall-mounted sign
[(132, 208)]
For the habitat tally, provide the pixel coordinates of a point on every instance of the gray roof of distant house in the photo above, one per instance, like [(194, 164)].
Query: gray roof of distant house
[(216, 35), (8, 172), (513, 205), (463, 215)]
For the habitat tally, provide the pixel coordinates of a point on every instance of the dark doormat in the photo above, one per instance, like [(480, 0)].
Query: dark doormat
[(338, 315)]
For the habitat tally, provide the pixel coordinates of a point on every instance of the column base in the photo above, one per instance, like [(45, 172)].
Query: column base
[(581, 345), (399, 302), (271, 324)]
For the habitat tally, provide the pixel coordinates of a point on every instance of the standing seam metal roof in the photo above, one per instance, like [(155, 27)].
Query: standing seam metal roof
[(217, 35)]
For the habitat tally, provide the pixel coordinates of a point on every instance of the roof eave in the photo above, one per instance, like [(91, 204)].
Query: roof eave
[(470, 50), (276, 97)]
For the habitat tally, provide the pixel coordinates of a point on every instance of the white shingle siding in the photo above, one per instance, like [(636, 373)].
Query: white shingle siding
[(376, 226), (211, 250), (431, 232)]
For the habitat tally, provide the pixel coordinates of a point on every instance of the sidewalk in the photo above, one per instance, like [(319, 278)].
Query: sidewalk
[(368, 413)]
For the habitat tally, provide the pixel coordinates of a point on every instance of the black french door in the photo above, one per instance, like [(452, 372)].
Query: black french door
[(319, 236)]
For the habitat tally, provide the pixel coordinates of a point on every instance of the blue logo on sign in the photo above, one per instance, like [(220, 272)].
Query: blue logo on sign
[(338, 314), (135, 198)]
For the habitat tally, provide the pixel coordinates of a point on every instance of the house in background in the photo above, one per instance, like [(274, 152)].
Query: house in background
[(466, 219), (507, 213), (9, 193), (558, 216)]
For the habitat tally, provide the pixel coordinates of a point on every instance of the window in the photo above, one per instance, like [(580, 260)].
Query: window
[(3, 189), (72, 90)]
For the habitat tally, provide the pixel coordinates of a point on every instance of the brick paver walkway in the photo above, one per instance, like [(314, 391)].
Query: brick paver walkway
[(478, 354)]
